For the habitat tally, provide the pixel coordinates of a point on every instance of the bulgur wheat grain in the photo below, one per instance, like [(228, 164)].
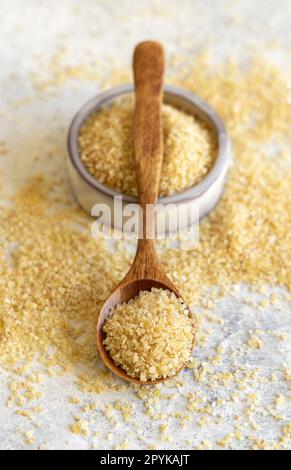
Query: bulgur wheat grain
[(54, 276), (105, 147), (151, 336)]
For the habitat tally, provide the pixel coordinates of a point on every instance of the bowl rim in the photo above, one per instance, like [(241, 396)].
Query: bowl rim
[(218, 168)]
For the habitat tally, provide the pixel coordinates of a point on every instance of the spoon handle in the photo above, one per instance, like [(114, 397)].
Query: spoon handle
[(148, 67)]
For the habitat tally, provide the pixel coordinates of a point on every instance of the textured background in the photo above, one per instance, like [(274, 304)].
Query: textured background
[(36, 36)]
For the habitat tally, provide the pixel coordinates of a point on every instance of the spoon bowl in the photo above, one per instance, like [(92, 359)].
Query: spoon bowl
[(126, 290)]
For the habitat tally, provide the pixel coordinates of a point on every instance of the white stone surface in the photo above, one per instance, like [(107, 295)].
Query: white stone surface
[(32, 33)]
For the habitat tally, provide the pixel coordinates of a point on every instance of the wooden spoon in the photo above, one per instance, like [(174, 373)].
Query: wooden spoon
[(146, 271)]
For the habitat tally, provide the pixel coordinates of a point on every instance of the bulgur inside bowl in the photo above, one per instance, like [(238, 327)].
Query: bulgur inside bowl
[(105, 146)]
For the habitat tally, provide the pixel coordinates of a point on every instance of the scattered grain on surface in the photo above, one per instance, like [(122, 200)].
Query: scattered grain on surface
[(54, 278)]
